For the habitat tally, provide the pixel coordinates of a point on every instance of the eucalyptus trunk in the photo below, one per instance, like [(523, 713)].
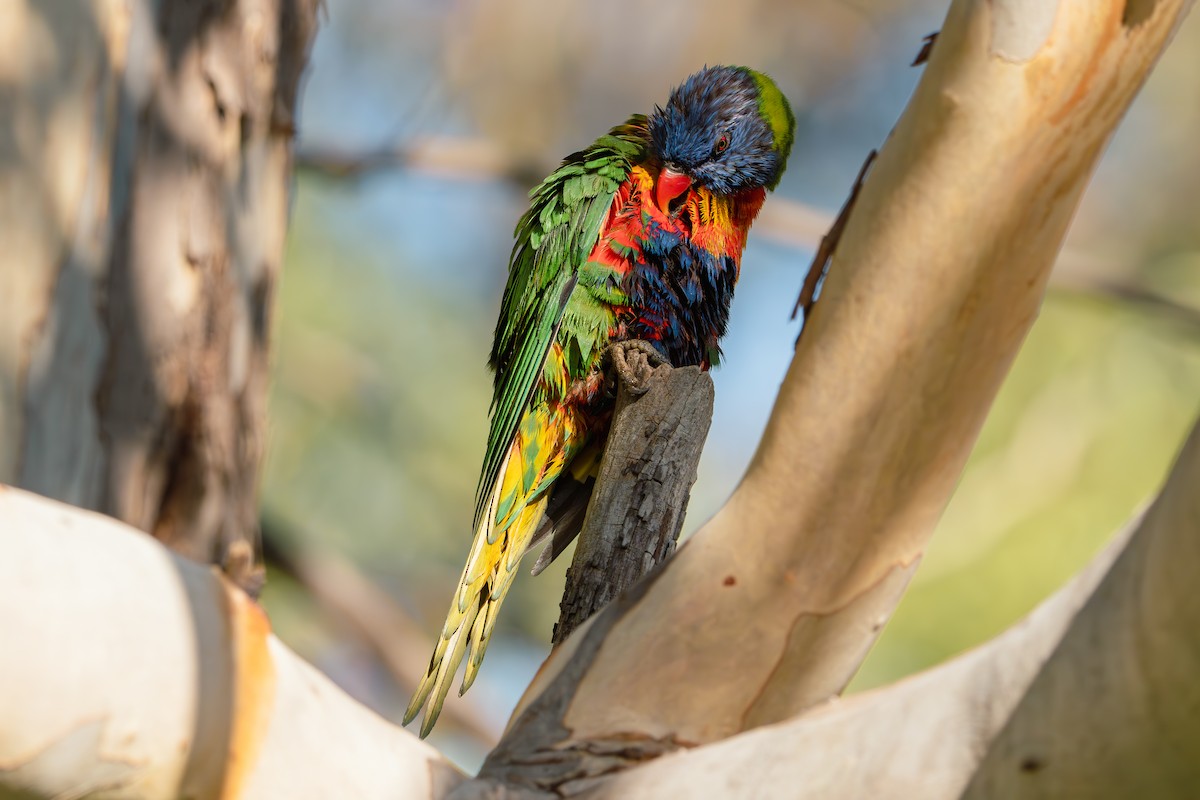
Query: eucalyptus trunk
[(146, 161)]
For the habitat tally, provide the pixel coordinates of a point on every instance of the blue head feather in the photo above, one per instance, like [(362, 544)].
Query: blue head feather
[(728, 128)]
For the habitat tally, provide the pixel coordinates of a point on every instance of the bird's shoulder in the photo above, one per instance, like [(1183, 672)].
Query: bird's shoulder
[(553, 242), (554, 239)]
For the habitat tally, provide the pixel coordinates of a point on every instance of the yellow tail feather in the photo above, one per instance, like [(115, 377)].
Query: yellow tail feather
[(485, 582), (546, 440)]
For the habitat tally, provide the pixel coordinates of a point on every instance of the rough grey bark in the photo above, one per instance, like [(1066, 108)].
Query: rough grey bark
[(137, 371), (658, 429)]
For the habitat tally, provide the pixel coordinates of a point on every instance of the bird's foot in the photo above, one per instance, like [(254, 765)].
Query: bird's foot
[(633, 363)]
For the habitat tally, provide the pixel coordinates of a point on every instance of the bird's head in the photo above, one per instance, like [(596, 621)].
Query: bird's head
[(725, 128)]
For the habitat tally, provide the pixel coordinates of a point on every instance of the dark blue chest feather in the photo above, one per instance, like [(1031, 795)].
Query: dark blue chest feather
[(679, 298)]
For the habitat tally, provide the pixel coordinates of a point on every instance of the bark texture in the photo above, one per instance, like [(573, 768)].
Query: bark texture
[(148, 147), (641, 496)]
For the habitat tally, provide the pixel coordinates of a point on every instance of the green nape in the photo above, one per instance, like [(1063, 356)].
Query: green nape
[(777, 112)]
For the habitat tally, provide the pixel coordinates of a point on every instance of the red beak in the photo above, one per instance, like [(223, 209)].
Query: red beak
[(671, 184)]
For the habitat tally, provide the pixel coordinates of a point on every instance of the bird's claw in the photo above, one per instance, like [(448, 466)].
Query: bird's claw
[(634, 363)]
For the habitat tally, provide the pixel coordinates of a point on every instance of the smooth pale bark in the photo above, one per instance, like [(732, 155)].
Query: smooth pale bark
[(146, 165), (1093, 695), (131, 672), (935, 283)]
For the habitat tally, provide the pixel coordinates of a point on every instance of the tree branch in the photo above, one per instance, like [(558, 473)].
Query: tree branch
[(1115, 711), (1088, 286), (1092, 695), (128, 667), (364, 610), (455, 156), (641, 496)]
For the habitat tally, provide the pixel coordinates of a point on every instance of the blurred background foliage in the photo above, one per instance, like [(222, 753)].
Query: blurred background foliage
[(424, 124)]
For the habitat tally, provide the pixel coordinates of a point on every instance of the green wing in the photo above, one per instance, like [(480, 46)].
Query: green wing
[(553, 241)]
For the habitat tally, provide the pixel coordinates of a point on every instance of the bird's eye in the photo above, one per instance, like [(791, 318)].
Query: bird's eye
[(722, 144)]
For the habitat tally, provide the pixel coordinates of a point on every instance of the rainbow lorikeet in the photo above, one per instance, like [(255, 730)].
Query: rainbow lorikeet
[(638, 237)]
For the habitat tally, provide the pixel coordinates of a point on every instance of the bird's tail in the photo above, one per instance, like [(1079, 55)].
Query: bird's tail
[(514, 511)]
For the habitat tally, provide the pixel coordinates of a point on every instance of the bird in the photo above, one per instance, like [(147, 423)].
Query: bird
[(638, 237)]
